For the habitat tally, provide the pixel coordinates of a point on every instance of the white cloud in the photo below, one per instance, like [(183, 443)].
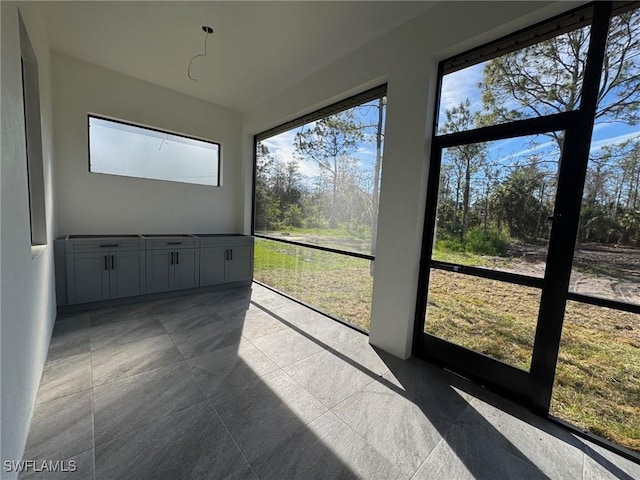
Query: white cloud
[(460, 85), (600, 144), (536, 147), (283, 148)]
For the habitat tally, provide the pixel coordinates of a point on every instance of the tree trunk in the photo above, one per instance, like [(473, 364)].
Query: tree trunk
[(334, 196), (465, 199)]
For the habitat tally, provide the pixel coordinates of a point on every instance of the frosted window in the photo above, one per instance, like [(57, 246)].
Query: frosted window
[(120, 149)]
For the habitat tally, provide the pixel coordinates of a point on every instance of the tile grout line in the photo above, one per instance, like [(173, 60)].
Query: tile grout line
[(290, 363), (142, 373), (373, 447), (136, 374), (42, 402), (208, 401), (427, 458), (93, 416), (311, 393), (316, 398)]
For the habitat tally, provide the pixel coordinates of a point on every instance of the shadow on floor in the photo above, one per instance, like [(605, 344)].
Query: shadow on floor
[(245, 384)]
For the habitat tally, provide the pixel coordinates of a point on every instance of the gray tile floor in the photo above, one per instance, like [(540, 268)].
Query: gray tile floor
[(245, 384)]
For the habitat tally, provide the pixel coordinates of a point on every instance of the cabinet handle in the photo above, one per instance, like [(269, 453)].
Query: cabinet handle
[(110, 245), (106, 263), (174, 243), (231, 254), (177, 258), (113, 263), (226, 254), (171, 261)]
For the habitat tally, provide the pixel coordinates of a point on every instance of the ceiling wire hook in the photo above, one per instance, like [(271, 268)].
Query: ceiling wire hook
[(207, 31)]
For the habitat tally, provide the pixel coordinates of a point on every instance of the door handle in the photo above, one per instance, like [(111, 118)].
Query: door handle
[(113, 263), (231, 254), (177, 258), (106, 263), (171, 261)]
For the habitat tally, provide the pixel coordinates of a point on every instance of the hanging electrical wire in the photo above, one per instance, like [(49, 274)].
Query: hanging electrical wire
[(207, 31)]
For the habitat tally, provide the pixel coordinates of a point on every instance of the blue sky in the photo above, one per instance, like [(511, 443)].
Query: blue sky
[(456, 88), (282, 146), (463, 84)]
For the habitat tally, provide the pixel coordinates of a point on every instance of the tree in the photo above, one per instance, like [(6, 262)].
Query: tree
[(279, 191), (264, 201), (329, 144), (517, 202), (462, 161), (546, 78)]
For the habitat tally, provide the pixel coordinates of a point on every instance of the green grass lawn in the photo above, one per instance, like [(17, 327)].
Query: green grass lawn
[(337, 284), (597, 383)]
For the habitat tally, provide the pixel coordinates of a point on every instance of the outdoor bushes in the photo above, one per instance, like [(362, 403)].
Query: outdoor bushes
[(477, 240), (486, 242)]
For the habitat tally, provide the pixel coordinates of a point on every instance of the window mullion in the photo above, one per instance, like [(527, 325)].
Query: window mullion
[(571, 178)]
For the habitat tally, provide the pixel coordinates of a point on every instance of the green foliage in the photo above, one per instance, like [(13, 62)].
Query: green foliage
[(517, 203), (597, 226), (342, 194), (293, 216), (476, 240), (446, 242), (487, 242)]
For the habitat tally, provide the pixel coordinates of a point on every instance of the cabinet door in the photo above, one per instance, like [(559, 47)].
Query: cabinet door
[(212, 266), (187, 268), (124, 274), (87, 277), (240, 264), (160, 270)]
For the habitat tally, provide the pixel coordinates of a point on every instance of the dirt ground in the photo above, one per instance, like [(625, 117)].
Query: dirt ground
[(599, 270)]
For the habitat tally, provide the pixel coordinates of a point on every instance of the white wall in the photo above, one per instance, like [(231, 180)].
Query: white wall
[(27, 302), (406, 59), (97, 203)]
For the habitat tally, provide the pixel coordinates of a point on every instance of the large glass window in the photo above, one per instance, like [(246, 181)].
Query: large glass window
[(317, 185), (597, 384), (607, 258), (494, 202), (333, 283), (536, 150), (541, 79), (119, 148)]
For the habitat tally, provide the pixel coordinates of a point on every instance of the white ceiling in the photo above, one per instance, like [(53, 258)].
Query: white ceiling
[(258, 48)]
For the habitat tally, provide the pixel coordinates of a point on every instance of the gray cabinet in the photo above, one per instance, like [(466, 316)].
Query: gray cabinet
[(103, 268), (225, 259), (213, 266), (173, 263), (240, 263), (94, 268)]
